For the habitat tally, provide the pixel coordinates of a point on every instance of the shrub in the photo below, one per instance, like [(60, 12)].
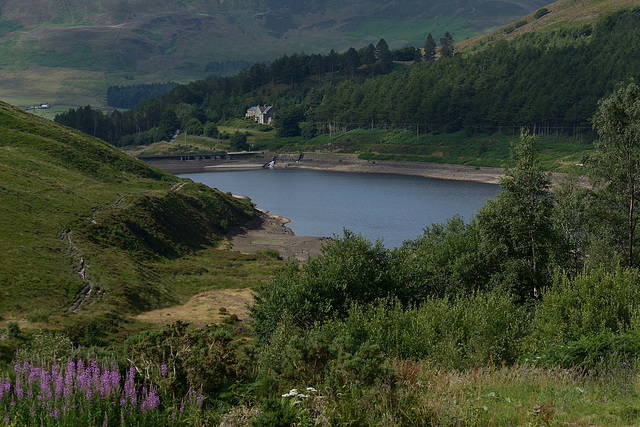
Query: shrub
[(201, 359), (238, 142), (271, 253), (50, 347), (540, 13), (350, 270), (211, 130), (323, 355), (194, 127), (595, 302), (454, 332), (444, 260), (596, 351), (38, 315), (13, 330)]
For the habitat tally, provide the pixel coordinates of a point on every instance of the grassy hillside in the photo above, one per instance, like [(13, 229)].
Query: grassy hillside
[(69, 201), (560, 14), (70, 52)]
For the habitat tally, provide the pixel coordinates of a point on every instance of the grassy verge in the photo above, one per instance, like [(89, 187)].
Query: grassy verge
[(558, 153), (517, 396)]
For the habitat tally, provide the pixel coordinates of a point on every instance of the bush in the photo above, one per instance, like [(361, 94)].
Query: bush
[(593, 352), (194, 127), (594, 303), (211, 130), (454, 332), (541, 12), (238, 142), (13, 330), (271, 253), (444, 261), (323, 355), (38, 315), (50, 347), (308, 130), (350, 270), (201, 359)]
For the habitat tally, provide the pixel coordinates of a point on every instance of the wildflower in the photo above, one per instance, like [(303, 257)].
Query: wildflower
[(151, 402), (59, 385), (163, 369)]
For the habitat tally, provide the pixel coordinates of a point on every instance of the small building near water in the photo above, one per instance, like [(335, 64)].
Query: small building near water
[(262, 114)]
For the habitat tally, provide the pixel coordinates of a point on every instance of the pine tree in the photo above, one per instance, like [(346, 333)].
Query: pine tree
[(446, 45), (351, 61), (429, 49), (384, 56)]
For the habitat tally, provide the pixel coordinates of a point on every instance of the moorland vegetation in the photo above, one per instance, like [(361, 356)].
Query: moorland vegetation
[(527, 315)]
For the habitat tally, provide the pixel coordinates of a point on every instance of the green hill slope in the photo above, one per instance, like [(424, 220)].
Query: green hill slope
[(70, 52), (559, 15), (68, 201)]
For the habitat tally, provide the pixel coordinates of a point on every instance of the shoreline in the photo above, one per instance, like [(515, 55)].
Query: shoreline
[(351, 164), (268, 231), (337, 163)]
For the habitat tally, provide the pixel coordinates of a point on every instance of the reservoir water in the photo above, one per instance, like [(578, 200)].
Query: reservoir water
[(393, 208)]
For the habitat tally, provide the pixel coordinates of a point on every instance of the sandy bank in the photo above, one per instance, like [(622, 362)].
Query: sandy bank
[(345, 163), (337, 163)]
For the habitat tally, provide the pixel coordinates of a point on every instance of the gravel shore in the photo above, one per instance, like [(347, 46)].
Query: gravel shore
[(338, 163)]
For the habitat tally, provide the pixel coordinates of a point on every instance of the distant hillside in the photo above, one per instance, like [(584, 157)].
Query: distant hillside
[(68, 202), (562, 14), (70, 52)]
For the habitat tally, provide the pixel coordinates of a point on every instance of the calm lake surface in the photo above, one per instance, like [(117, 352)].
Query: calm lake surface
[(393, 208)]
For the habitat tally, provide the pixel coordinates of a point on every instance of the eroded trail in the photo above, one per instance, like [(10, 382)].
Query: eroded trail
[(89, 293)]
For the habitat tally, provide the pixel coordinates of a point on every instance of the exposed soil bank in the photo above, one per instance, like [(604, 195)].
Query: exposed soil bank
[(267, 231), (338, 163)]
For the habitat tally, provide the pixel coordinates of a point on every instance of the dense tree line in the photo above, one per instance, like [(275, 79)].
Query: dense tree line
[(548, 82), (219, 98), (130, 96)]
